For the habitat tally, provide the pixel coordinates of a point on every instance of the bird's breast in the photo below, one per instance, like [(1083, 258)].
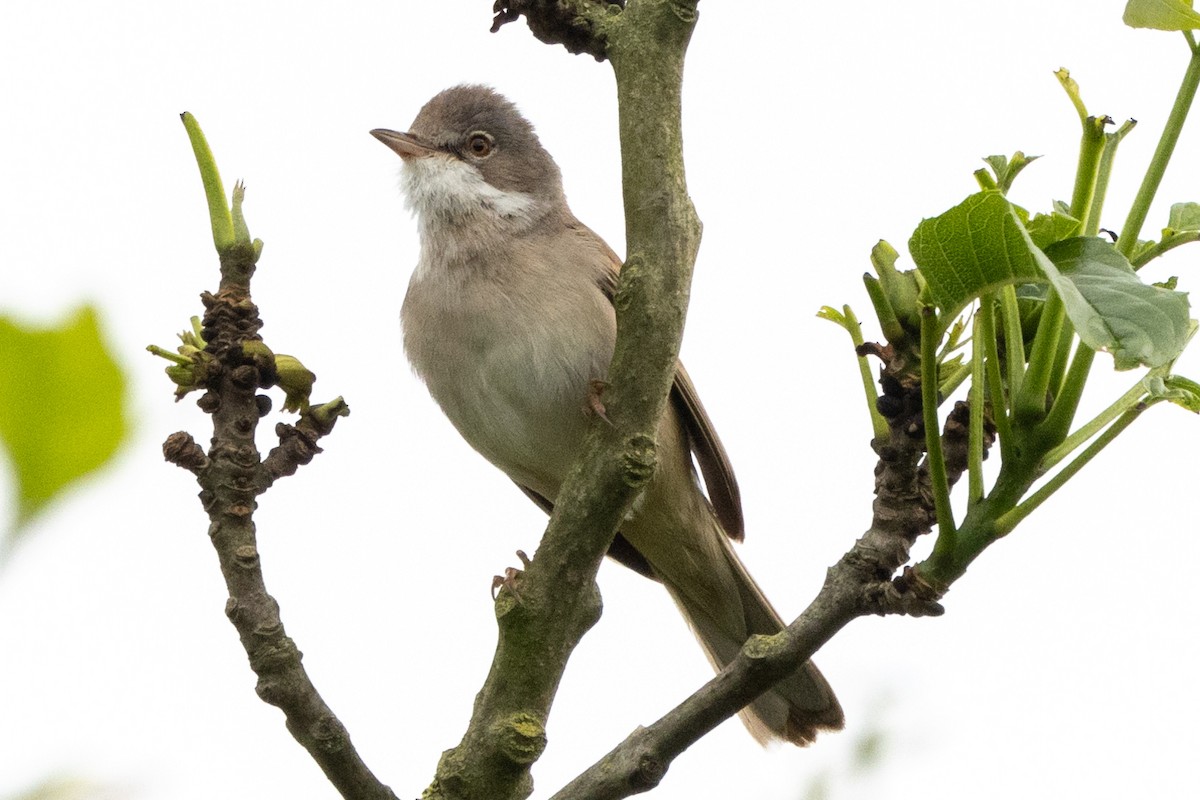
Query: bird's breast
[(509, 353)]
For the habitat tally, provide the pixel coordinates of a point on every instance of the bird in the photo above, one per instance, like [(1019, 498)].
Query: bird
[(509, 321)]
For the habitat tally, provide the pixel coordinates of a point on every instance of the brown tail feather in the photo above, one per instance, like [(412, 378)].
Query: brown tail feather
[(796, 708)]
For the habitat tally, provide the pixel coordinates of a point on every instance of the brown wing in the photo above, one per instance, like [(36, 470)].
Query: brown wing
[(715, 469), (719, 480), (620, 550)]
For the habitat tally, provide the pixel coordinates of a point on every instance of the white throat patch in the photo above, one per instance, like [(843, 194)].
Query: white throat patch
[(444, 186)]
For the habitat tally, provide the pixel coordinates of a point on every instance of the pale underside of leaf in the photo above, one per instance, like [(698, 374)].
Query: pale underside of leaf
[(1162, 15), (1112, 309), (982, 244)]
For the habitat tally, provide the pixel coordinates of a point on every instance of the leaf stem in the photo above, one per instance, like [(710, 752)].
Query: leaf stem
[(889, 323), (1008, 521), (879, 426), (1072, 89), (1093, 426), (945, 544), (1062, 414), (1091, 226), (1030, 403), (995, 384), (1062, 357), (849, 322), (1167, 244), (1091, 148), (1162, 155), (168, 355), (1014, 340), (975, 430), (951, 382)]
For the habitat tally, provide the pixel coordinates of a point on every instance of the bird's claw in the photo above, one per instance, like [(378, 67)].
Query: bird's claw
[(595, 405), (510, 578)]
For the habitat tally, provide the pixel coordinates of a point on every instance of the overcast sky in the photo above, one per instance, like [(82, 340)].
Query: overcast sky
[(1065, 663)]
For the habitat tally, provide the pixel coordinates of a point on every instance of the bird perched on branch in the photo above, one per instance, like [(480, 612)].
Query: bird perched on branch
[(509, 321)]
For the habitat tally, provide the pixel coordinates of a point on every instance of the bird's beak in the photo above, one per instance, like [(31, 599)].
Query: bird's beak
[(405, 145)]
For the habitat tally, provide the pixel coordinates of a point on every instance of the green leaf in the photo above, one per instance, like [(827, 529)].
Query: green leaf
[(1112, 309), (296, 380), (1007, 169), (999, 164), (833, 315), (1162, 15), (219, 213), (61, 406), (1176, 389), (901, 287), (981, 244), (1031, 301), (64, 788), (975, 247), (1046, 229), (1184, 217)]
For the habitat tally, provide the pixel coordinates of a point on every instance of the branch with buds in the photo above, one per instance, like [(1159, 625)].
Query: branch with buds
[(224, 357)]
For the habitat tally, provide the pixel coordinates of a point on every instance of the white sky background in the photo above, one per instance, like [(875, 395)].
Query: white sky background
[(1065, 664)]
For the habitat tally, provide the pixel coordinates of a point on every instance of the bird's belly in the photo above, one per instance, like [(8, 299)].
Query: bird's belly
[(516, 392)]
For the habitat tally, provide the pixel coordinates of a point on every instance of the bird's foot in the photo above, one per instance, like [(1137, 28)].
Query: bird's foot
[(511, 578), (595, 406)]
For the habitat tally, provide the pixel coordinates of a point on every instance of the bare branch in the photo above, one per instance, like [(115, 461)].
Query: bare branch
[(231, 477), (181, 450)]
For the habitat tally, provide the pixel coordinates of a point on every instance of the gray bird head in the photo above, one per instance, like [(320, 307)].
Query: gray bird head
[(470, 153)]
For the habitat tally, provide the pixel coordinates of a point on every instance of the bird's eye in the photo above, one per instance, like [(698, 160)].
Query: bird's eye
[(480, 145)]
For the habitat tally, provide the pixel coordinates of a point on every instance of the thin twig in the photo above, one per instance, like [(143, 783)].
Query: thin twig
[(231, 477)]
